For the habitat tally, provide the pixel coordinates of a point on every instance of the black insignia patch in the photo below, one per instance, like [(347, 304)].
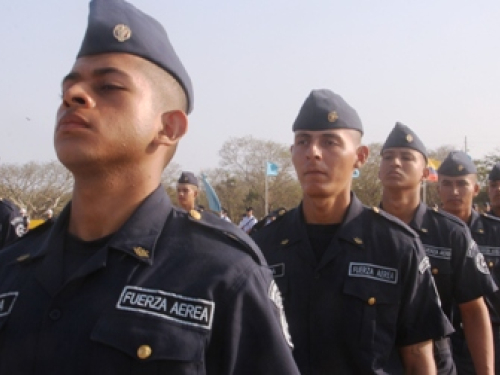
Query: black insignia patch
[(438, 252), (374, 272), (278, 270), (490, 251), (186, 310), (7, 302)]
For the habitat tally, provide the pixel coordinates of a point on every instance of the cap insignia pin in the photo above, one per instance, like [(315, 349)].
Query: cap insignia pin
[(22, 258), (284, 242), (460, 167), (332, 116), (141, 252), (122, 32), (409, 138), (358, 241)]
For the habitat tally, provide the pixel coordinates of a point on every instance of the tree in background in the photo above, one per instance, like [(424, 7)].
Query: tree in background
[(240, 178), (36, 186)]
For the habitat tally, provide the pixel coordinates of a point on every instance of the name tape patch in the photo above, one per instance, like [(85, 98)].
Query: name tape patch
[(186, 310), (374, 272), (278, 270), (490, 251), (7, 302), (438, 252)]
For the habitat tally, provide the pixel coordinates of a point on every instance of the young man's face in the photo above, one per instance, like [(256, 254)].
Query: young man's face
[(402, 168), (494, 195), (107, 113), (186, 195), (457, 193), (325, 160)]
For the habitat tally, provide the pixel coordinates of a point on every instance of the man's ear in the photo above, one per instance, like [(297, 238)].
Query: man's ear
[(362, 155), (477, 189), (425, 174), (174, 125)]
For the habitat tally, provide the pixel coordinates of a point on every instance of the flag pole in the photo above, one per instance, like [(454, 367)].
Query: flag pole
[(265, 198)]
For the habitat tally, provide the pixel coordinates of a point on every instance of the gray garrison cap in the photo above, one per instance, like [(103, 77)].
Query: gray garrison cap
[(117, 26), (494, 173), (323, 110), (457, 163), (188, 178), (403, 137)]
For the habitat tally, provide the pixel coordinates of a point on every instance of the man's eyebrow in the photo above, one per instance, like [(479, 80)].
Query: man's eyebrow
[(75, 76)]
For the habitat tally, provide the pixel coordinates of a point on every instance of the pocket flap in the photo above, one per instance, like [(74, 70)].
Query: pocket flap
[(165, 340)]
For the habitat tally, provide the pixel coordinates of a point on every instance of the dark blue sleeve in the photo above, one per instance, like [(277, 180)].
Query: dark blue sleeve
[(251, 336)]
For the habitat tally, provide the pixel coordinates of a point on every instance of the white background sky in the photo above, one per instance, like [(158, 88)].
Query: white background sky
[(433, 65)]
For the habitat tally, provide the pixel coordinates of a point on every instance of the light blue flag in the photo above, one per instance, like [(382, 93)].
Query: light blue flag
[(213, 199), (272, 169)]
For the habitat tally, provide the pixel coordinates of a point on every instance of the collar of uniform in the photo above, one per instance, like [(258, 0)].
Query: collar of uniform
[(138, 236), (352, 233), (419, 218), (476, 225)]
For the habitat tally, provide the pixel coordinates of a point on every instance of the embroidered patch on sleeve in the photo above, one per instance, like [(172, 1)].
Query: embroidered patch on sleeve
[(424, 265), (374, 272), (186, 310), (275, 296), (481, 264), (7, 301)]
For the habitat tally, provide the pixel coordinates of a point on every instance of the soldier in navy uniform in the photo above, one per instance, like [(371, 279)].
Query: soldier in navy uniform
[(12, 225), (494, 190), (187, 191), (148, 289), (457, 179), (356, 284), (453, 254)]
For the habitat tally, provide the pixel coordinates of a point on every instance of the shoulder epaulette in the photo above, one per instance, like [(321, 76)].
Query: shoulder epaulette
[(229, 230), (491, 217), (394, 220), (453, 218), (270, 218)]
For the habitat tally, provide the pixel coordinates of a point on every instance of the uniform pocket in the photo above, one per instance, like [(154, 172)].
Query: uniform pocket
[(152, 345), (370, 312)]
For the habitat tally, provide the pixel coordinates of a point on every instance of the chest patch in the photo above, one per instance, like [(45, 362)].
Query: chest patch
[(170, 306), (438, 252), (278, 270), (374, 272), (7, 302), (490, 251)]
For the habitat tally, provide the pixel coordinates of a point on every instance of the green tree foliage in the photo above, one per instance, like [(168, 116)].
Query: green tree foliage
[(240, 178)]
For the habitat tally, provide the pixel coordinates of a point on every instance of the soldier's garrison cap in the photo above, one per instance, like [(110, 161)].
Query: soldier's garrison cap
[(323, 110), (117, 26), (457, 163), (403, 137), (188, 178), (494, 173)]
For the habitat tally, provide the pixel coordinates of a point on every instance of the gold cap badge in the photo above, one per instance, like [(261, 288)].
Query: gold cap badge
[(409, 138), (376, 209), (359, 241), (284, 242), (141, 252), (460, 167), (332, 116), (282, 212), (122, 32)]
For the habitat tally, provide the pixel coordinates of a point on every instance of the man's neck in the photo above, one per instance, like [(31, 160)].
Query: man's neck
[(326, 210), (464, 215), (401, 203), (100, 206)]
